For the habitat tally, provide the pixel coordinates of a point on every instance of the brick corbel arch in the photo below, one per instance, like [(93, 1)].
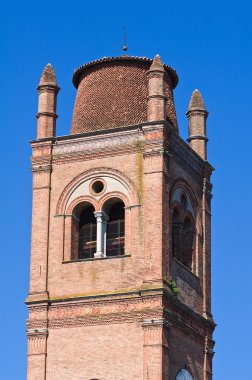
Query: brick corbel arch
[(92, 173)]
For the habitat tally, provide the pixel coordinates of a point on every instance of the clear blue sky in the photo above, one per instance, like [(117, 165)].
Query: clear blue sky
[(209, 44)]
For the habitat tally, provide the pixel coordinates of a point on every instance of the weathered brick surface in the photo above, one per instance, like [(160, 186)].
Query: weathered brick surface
[(96, 352)]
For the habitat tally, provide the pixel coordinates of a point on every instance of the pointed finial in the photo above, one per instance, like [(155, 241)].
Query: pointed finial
[(48, 76), (157, 63), (196, 101), (125, 47)]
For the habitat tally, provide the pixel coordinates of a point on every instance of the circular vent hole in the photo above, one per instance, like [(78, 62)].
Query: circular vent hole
[(97, 187)]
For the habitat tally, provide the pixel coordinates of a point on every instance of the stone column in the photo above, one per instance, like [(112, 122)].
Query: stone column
[(101, 221)]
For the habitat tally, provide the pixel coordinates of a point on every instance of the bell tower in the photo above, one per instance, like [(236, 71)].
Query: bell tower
[(120, 274)]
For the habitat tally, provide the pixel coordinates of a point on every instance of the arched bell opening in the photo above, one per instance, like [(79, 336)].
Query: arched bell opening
[(115, 233), (84, 231)]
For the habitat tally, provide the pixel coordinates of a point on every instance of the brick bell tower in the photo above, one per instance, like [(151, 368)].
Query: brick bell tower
[(120, 278)]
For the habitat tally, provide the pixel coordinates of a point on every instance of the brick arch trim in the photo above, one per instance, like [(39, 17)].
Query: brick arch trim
[(179, 182), (100, 171), (89, 200), (112, 195)]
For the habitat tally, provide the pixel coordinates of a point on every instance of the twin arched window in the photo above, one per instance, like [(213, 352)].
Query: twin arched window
[(98, 234)]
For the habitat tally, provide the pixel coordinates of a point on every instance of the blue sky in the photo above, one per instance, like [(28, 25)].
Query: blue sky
[(209, 44)]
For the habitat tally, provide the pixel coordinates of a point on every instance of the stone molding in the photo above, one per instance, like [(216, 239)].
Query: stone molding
[(196, 112), (42, 169), (48, 88), (197, 137), (50, 114)]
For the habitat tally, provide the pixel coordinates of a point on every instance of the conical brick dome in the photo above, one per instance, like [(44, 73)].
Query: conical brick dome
[(113, 92)]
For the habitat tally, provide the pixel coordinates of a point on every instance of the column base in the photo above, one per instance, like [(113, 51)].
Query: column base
[(98, 255)]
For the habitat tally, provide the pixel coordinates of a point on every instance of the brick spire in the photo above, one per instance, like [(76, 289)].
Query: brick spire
[(197, 115), (156, 97), (47, 90)]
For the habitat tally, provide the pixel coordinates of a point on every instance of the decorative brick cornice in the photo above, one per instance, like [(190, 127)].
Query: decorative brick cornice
[(100, 142), (102, 320), (77, 157)]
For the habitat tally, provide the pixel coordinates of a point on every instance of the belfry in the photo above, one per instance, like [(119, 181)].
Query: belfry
[(120, 273)]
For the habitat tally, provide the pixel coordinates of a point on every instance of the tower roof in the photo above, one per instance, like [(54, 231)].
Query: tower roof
[(80, 71), (113, 92), (196, 101), (48, 76)]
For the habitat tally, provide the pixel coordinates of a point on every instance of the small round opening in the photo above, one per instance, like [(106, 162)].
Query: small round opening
[(97, 187)]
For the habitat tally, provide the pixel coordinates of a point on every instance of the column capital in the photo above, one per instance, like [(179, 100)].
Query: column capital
[(101, 215)]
